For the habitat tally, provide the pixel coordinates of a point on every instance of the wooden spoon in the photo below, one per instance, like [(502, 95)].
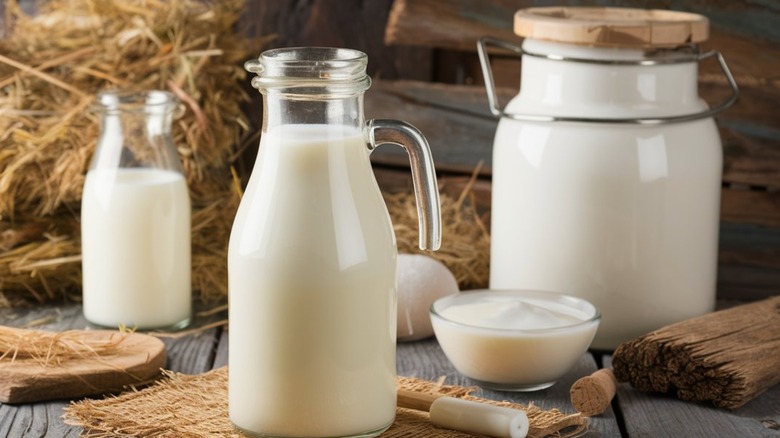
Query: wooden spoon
[(136, 360)]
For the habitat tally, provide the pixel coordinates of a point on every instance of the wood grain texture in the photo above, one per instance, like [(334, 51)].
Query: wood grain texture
[(356, 24), (749, 130), (447, 24), (593, 394), (759, 207), (649, 415), (189, 354), (727, 357), (459, 135), (457, 24), (39, 419), (138, 359), (744, 282), (221, 355), (425, 359), (611, 27), (194, 353)]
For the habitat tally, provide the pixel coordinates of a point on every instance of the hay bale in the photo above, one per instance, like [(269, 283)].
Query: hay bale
[(54, 63), (51, 67)]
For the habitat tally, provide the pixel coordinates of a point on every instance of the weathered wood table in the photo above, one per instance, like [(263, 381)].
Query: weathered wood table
[(633, 414)]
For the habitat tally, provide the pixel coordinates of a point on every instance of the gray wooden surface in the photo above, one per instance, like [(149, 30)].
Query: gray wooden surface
[(640, 414), (660, 416)]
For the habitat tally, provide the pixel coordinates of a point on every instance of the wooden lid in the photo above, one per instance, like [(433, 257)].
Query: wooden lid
[(612, 27)]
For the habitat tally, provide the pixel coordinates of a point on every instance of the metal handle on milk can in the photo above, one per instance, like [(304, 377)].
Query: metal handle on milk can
[(423, 174), (487, 72)]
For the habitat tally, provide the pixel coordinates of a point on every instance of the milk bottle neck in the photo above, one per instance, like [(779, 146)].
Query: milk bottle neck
[(281, 109), (136, 130)]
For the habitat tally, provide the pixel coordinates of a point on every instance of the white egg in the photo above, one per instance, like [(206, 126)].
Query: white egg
[(421, 281)]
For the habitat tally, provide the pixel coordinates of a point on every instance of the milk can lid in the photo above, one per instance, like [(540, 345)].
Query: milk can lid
[(612, 27)]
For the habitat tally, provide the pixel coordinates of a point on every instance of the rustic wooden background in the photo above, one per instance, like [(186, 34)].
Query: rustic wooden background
[(422, 56), (422, 53)]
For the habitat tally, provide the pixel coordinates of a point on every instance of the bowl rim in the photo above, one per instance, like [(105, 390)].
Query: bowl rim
[(595, 318)]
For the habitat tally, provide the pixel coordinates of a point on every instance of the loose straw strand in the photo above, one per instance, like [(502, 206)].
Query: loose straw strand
[(50, 79)]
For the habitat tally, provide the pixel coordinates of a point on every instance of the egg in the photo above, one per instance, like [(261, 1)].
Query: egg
[(421, 281)]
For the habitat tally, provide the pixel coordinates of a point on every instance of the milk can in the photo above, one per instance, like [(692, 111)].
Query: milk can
[(607, 165), (312, 255)]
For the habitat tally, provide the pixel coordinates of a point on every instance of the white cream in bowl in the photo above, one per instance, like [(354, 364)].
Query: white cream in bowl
[(514, 340)]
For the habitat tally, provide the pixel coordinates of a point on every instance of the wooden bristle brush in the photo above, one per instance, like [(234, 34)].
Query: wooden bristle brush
[(726, 357)]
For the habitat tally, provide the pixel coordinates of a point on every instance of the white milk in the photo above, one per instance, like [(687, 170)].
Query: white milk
[(526, 314), (518, 343), (618, 222), (625, 216), (135, 226), (312, 265)]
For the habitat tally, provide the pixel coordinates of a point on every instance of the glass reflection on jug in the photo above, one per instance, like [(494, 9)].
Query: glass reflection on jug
[(312, 256)]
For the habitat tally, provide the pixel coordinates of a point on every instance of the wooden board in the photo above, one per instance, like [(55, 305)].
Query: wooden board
[(189, 354), (138, 360)]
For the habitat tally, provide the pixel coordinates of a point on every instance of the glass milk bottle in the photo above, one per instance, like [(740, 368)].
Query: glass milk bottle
[(607, 166), (312, 255), (135, 217)]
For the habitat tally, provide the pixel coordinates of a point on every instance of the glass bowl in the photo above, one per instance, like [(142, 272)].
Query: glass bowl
[(514, 340)]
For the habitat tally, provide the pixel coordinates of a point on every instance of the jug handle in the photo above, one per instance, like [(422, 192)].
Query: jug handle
[(426, 190)]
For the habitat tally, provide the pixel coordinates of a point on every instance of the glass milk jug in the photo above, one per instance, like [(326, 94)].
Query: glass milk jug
[(312, 254), (135, 217), (607, 166)]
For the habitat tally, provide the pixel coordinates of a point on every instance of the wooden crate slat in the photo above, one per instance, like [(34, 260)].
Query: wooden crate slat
[(750, 245), (745, 282), (355, 24), (458, 140), (745, 206), (448, 24)]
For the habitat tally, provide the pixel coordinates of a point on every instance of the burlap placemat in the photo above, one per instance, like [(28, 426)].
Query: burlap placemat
[(195, 406)]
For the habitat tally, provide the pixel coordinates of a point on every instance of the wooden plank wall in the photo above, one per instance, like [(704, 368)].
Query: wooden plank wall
[(746, 33), (357, 24)]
